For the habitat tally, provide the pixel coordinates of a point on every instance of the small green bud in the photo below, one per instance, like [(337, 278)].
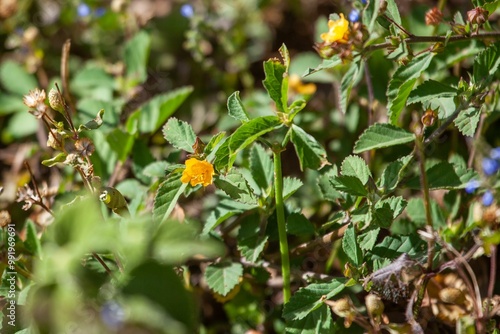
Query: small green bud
[(374, 305)]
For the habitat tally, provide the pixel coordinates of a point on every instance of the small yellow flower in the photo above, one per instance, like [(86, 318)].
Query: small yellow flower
[(338, 31), (198, 172), (297, 86)]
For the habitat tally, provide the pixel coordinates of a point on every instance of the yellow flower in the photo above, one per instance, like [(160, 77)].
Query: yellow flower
[(338, 31), (198, 172), (297, 86)]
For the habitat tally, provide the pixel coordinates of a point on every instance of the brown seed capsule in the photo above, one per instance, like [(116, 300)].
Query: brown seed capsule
[(433, 16), (477, 15), (4, 218), (56, 101), (452, 296), (429, 117), (374, 305)]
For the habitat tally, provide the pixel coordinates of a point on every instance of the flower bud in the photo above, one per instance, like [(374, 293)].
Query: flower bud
[(429, 117), (56, 101)]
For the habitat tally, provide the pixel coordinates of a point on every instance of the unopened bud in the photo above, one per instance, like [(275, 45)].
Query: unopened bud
[(56, 101)]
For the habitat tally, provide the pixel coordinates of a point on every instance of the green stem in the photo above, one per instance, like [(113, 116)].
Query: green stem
[(280, 214)]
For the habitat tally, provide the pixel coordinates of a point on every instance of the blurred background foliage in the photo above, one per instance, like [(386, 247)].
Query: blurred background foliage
[(141, 61)]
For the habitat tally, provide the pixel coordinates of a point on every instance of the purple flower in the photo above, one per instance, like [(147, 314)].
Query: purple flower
[(83, 10), (187, 10), (363, 2), (112, 314), (490, 166), (354, 15), (495, 153), (471, 186), (487, 198)]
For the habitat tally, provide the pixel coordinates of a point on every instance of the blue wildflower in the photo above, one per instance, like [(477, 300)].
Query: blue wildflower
[(363, 2), (354, 15), (83, 10), (487, 198), (471, 186), (112, 314), (495, 153), (490, 166), (187, 10), (100, 11)]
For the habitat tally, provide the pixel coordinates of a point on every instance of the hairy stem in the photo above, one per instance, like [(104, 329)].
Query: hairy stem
[(280, 214), (434, 39), (427, 204)]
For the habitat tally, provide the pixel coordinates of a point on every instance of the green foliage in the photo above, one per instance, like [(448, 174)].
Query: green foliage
[(223, 277), (380, 136)]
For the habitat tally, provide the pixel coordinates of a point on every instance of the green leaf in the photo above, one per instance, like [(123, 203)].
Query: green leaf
[(316, 322), (393, 11), (393, 246), (310, 298), (349, 184), (368, 239), (486, 65), (370, 14), (290, 186), (249, 132), (160, 284), (236, 187), (15, 79), (350, 79), (396, 204), (236, 108), (468, 120), (156, 111), (225, 209), (11, 104), (429, 90), (175, 242), (355, 166), (326, 64), (120, 142), (155, 169), (275, 72), (214, 144), (32, 243), (393, 173), (416, 212), (222, 277), (445, 175), (381, 215), (221, 161), (166, 197), (179, 134), (61, 157), (402, 83), (93, 124), (136, 54), (261, 166), (251, 240), (326, 188), (297, 224), (382, 135), (310, 153), (351, 247)]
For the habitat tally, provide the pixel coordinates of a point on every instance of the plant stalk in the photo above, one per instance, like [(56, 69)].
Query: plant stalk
[(280, 214)]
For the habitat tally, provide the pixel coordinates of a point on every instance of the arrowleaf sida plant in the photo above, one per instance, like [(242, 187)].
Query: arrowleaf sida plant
[(409, 212)]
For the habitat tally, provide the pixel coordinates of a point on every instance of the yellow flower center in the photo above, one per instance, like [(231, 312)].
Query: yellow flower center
[(297, 86), (197, 172), (338, 31)]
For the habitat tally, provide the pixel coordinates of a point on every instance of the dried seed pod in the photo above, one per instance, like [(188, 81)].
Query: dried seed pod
[(452, 296), (433, 16), (429, 117), (56, 101), (374, 305), (477, 15)]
